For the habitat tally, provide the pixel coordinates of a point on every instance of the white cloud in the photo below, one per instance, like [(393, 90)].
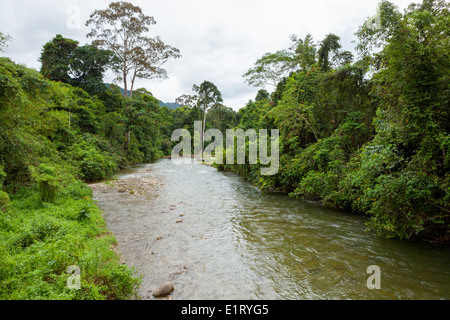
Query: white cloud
[(219, 40)]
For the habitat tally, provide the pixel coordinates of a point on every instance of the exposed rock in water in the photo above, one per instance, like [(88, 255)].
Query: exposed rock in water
[(163, 290)]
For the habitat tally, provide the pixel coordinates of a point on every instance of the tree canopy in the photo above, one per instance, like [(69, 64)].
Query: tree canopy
[(122, 28), (370, 136), (64, 60), (208, 96)]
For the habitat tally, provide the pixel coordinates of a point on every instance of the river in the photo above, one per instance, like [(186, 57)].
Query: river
[(215, 236)]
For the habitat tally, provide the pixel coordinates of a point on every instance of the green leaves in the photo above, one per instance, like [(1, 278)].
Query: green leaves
[(270, 69), (372, 136), (50, 178), (5, 203), (207, 95), (412, 117), (38, 245), (8, 88), (331, 43), (83, 66), (56, 58)]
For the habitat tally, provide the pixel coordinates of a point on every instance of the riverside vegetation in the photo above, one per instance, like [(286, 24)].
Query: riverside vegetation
[(369, 136)]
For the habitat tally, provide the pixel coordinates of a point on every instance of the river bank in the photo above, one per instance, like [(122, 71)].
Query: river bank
[(60, 250)]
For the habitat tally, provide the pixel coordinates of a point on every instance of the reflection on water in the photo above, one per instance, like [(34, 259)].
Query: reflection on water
[(216, 236)]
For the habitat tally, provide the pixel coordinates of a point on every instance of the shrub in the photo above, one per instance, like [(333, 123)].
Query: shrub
[(4, 201), (37, 246), (96, 166), (92, 163), (8, 88), (316, 185), (50, 178)]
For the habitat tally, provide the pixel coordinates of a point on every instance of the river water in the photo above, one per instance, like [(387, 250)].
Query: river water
[(215, 236)]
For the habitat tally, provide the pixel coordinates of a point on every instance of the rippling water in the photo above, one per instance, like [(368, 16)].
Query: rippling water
[(216, 236)]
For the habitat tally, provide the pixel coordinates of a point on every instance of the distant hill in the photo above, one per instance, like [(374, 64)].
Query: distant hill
[(170, 105)]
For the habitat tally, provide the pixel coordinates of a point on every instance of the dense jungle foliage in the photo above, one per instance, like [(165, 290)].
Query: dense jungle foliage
[(60, 129), (369, 135)]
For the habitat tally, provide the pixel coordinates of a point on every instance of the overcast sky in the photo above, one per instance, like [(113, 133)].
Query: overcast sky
[(219, 40)]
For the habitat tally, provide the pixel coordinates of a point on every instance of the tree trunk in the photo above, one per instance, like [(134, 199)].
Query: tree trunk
[(125, 87), (132, 84), (127, 139)]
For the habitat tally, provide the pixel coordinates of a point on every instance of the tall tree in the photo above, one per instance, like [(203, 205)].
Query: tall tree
[(262, 95), (303, 53), (207, 97), (56, 58), (222, 117), (63, 60), (121, 28), (88, 67), (272, 68), (331, 43)]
